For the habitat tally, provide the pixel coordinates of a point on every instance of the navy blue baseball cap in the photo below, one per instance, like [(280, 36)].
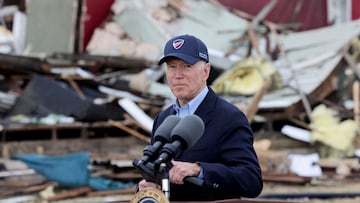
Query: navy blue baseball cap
[(187, 48)]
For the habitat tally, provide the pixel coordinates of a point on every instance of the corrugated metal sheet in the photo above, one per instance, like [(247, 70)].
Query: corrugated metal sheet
[(313, 56)]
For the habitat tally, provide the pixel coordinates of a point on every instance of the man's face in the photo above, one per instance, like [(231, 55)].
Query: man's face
[(186, 80)]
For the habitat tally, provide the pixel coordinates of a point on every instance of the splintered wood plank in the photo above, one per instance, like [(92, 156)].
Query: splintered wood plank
[(24, 190), (129, 130), (70, 194), (356, 95), (112, 192), (293, 179)]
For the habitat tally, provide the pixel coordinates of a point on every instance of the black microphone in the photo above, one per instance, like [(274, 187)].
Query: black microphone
[(161, 137), (184, 135)]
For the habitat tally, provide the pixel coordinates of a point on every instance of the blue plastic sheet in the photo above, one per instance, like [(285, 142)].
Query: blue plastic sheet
[(98, 183), (69, 170)]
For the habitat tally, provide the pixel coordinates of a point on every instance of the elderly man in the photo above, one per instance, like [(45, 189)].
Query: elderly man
[(223, 157)]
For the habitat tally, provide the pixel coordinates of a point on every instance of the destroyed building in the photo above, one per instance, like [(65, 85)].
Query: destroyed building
[(80, 80)]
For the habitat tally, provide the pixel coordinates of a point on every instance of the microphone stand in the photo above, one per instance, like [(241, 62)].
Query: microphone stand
[(156, 172), (165, 181)]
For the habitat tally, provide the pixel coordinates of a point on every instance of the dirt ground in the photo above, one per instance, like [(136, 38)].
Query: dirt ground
[(324, 188)]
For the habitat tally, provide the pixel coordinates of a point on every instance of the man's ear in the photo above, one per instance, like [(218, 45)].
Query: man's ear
[(207, 69)]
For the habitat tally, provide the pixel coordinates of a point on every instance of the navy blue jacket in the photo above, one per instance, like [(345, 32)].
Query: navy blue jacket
[(225, 152)]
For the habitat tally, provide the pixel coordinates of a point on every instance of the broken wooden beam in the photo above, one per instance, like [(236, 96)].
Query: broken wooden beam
[(129, 130), (356, 96), (23, 63), (70, 194), (24, 190), (130, 190), (117, 62), (288, 179)]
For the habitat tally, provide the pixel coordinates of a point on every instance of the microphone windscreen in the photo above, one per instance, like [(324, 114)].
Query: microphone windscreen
[(163, 132), (188, 131)]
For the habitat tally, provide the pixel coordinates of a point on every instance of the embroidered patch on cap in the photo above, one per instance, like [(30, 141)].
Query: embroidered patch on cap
[(177, 44), (202, 55)]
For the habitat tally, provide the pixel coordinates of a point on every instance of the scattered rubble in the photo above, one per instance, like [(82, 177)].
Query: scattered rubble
[(102, 101)]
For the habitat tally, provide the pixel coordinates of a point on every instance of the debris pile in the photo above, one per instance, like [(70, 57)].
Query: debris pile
[(54, 100)]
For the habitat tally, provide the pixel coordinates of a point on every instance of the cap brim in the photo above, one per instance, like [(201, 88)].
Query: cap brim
[(188, 59)]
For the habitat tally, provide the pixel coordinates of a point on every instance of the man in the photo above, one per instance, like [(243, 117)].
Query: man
[(223, 157)]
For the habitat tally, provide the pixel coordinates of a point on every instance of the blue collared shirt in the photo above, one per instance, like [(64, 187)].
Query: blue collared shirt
[(190, 109)]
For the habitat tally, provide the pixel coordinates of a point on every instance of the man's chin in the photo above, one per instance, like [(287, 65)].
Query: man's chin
[(179, 94), (179, 90)]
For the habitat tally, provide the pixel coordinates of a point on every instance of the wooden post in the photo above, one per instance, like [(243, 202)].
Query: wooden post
[(356, 97), (252, 107)]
